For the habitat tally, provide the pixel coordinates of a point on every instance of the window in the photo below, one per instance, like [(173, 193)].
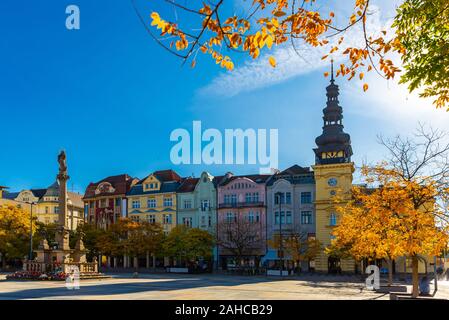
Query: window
[(151, 203), (118, 202), (282, 196), (306, 217), (203, 221), (306, 197), (135, 218), (47, 210), (168, 202), (167, 218), (248, 197), (136, 204), (56, 210), (151, 218), (187, 222), (233, 198), (256, 197), (251, 216), (288, 217), (227, 199), (288, 198), (103, 203), (187, 204), (230, 217), (205, 204), (209, 221), (333, 219)]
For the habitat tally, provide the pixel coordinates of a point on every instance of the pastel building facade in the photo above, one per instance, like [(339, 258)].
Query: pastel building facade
[(197, 203), (44, 204), (153, 199), (105, 201), (290, 210), (242, 200)]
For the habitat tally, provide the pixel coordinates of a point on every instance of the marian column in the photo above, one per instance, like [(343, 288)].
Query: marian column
[(63, 232)]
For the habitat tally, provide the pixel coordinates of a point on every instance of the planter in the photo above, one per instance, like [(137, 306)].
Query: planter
[(277, 273), (178, 270)]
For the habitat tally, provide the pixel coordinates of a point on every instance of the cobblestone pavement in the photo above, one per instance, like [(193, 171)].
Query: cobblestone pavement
[(163, 286)]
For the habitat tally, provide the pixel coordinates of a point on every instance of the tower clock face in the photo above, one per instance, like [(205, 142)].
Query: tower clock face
[(332, 182)]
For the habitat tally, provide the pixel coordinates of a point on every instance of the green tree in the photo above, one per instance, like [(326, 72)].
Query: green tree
[(188, 244), (423, 29)]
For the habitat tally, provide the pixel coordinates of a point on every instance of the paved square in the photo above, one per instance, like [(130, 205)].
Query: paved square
[(175, 287)]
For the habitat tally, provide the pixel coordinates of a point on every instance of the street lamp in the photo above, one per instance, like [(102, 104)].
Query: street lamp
[(30, 255), (281, 251)]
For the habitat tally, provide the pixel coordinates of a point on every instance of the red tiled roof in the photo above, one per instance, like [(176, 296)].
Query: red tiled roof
[(121, 183), (167, 175), (188, 185)]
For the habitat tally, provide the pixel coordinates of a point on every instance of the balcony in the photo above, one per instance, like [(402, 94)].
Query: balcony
[(241, 205)]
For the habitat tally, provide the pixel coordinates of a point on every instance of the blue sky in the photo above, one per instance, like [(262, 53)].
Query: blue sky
[(110, 96)]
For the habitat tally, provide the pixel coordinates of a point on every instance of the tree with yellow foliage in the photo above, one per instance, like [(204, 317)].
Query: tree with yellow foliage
[(418, 35), (404, 212), (14, 232)]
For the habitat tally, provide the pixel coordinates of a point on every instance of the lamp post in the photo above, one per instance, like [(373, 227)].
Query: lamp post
[(30, 255), (281, 251)]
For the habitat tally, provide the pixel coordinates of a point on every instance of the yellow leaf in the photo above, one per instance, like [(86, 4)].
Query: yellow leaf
[(272, 62), (279, 13), (361, 75), (365, 87)]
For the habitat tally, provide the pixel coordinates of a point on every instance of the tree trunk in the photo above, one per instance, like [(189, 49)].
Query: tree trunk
[(390, 272), (136, 263), (3, 261), (415, 277), (154, 262), (148, 260)]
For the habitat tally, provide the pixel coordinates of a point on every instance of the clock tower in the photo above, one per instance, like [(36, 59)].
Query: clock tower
[(333, 175)]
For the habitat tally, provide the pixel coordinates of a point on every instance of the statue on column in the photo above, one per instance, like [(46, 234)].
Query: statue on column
[(63, 233)]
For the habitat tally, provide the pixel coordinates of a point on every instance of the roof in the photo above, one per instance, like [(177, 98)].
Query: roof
[(121, 183), (167, 175), (188, 185), (10, 195), (295, 169), (170, 186), (76, 199), (38, 193), (53, 190), (295, 175), (257, 178)]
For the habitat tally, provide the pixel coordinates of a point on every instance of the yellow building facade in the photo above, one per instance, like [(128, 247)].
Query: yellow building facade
[(44, 204), (333, 172), (153, 199)]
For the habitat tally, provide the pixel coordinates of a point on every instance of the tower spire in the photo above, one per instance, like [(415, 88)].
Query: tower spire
[(333, 145)]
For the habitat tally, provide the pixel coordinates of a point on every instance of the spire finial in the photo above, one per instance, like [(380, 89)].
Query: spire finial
[(332, 71)]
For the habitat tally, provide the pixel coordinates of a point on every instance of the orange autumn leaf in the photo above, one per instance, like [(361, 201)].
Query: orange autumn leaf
[(272, 61), (365, 87)]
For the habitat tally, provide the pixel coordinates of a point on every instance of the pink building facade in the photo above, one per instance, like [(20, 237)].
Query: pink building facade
[(241, 217)]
